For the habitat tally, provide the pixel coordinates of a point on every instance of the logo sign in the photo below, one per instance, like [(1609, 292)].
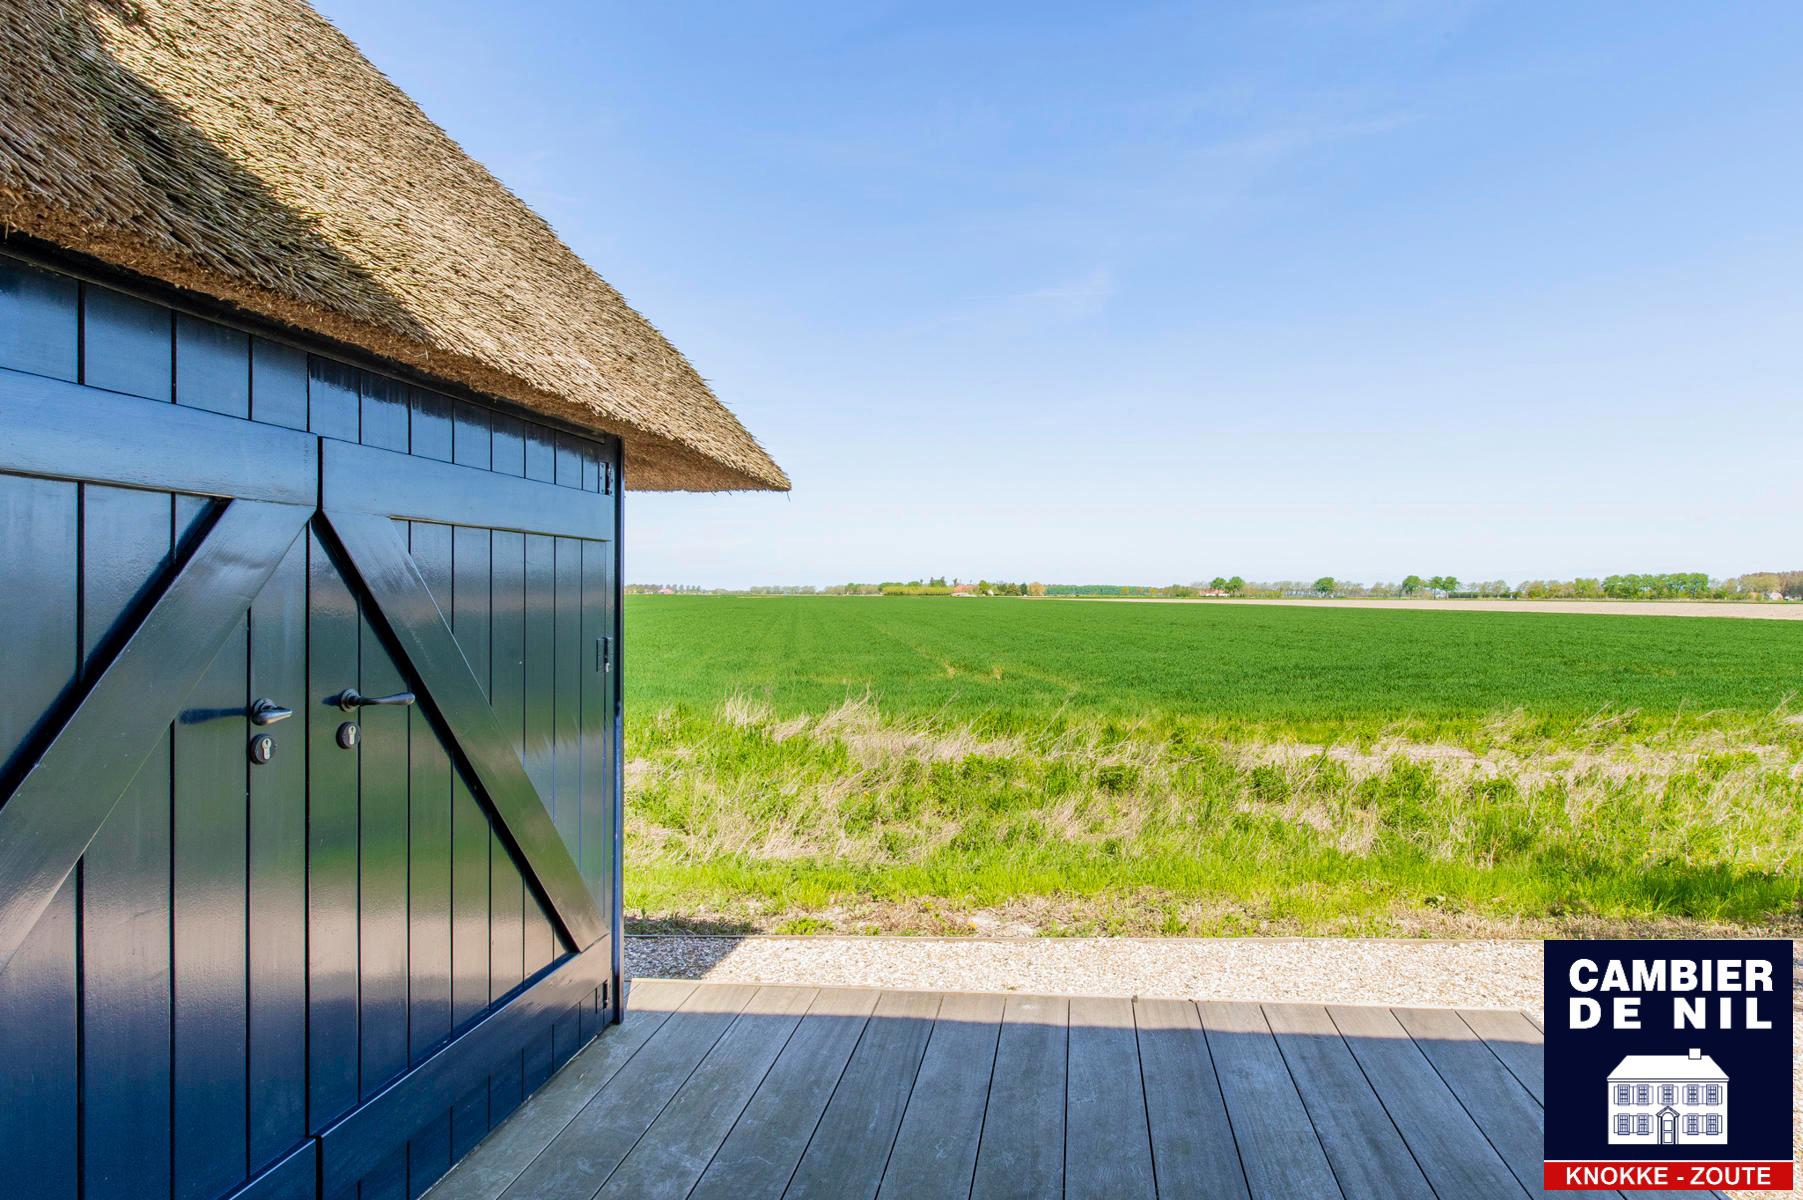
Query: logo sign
[(1668, 1065)]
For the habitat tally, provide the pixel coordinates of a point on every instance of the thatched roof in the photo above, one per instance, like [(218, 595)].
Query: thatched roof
[(245, 150)]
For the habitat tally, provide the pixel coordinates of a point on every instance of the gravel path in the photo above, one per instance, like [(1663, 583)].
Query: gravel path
[(1478, 974)]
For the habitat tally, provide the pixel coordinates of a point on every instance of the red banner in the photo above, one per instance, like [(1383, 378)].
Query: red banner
[(1671, 1176)]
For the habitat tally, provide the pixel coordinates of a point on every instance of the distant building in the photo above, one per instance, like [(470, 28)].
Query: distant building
[(1668, 1100), (964, 589)]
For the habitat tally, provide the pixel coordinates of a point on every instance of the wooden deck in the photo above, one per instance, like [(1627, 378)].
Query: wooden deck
[(739, 1091)]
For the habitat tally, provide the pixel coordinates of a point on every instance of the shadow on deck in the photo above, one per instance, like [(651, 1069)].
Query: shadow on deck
[(743, 1091)]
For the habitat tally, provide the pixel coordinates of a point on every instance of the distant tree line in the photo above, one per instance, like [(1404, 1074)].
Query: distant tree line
[(1678, 585)]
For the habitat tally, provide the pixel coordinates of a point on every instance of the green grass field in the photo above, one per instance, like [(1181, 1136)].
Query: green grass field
[(934, 765)]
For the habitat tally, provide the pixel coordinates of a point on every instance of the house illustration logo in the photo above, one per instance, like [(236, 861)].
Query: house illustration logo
[(1668, 1100), (1646, 1040)]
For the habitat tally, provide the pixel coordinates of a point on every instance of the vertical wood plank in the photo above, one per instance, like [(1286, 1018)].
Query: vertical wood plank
[(669, 1159), (126, 538), (541, 453), (1516, 1041), (569, 664), (515, 1147), (588, 1148), (506, 933), (1277, 1142), (429, 1156), (384, 412), (332, 953), (541, 667), (39, 601), (509, 445), (507, 937), (471, 437), (430, 434), (506, 1088), (936, 1151), (591, 466), (470, 607), (39, 321), (567, 1036), (382, 899), (278, 384), (38, 1104), (1451, 1149), (1510, 1117), (126, 992), (1193, 1150), (333, 402), (430, 547), (469, 1121), (210, 898), (429, 806), (471, 842), (1108, 1149), (212, 366), (596, 695), (386, 1182), (127, 344), (1368, 1155), (507, 632), (535, 1063), (569, 460), (852, 1142), (539, 943), (432, 804), (1022, 1152), (278, 869)]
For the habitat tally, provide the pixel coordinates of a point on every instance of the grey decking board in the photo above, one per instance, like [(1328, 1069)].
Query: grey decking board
[(499, 1159), (1369, 1157), (1515, 1040), (1509, 1116), (761, 1152), (581, 1157), (1453, 1152), (935, 1153), (1022, 1149), (1193, 1149), (1107, 1147), (969, 1104), (845, 1157), (1279, 1150), (669, 1159)]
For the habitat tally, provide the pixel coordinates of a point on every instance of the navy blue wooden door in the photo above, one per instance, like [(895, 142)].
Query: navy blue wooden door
[(256, 938), (154, 588)]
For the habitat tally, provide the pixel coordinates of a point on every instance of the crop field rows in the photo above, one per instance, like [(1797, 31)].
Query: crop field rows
[(951, 766)]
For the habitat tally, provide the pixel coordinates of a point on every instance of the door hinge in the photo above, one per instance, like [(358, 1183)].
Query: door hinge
[(607, 479), (604, 654)]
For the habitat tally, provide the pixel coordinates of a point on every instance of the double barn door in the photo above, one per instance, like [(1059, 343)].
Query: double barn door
[(308, 766)]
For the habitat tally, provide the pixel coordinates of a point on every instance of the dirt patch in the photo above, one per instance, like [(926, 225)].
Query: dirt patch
[(1149, 913)]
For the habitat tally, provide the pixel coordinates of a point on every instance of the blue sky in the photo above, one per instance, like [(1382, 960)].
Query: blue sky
[(1154, 292)]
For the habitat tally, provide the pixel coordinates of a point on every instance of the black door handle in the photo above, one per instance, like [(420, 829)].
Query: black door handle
[(268, 712), (350, 699)]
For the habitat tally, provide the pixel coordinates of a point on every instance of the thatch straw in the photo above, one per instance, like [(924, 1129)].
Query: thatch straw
[(245, 150)]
